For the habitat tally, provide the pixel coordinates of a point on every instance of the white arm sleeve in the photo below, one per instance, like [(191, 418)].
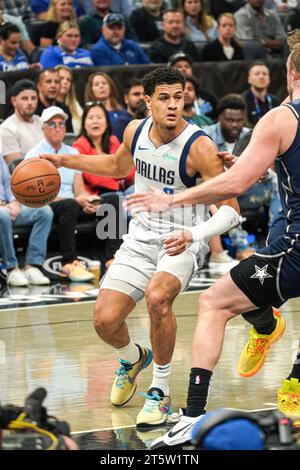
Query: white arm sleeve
[(223, 220)]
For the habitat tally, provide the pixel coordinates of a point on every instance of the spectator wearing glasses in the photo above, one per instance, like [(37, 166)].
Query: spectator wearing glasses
[(113, 48), (67, 51), (73, 200)]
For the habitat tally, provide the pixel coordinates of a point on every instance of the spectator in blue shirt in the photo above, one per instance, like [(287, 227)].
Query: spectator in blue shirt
[(11, 57), (113, 49), (67, 51)]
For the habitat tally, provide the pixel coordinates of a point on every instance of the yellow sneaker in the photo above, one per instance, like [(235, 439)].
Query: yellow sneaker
[(155, 411), (76, 272), (254, 353), (124, 384), (289, 398)]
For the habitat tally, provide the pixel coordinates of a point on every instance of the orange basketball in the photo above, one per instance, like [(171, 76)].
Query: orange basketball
[(35, 182)]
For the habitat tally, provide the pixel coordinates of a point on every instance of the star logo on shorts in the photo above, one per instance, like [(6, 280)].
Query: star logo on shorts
[(261, 273)]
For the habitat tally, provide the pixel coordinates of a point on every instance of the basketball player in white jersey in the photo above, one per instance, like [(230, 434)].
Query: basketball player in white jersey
[(169, 154)]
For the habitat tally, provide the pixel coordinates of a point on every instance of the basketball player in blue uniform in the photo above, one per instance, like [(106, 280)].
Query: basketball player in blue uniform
[(269, 277), (171, 155)]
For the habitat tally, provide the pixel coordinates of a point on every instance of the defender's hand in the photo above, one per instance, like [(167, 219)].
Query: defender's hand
[(55, 159), (154, 201)]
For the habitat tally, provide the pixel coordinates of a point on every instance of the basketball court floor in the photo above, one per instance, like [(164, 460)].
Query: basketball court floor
[(47, 339)]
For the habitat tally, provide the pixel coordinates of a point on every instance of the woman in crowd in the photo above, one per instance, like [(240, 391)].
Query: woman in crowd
[(199, 25), (100, 87), (67, 95), (58, 12), (96, 138), (225, 47), (67, 51)]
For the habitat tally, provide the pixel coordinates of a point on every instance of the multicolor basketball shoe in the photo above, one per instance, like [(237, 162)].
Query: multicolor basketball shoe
[(289, 398), (156, 409), (124, 385), (254, 353)]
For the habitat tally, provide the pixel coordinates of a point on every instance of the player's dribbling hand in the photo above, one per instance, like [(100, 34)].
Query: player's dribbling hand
[(178, 243), (152, 201), (55, 159)]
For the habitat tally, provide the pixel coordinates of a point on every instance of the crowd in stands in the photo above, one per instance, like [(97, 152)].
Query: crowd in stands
[(57, 36)]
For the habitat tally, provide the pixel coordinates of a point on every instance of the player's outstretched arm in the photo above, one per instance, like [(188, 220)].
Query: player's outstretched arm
[(118, 165), (272, 135)]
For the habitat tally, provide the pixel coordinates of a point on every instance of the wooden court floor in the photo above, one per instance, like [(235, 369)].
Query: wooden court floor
[(57, 348)]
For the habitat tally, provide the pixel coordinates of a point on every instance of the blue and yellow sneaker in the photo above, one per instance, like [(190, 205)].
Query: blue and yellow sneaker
[(254, 353), (156, 409), (124, 385), (289, 398)]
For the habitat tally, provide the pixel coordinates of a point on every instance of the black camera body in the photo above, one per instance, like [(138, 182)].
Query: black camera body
[(30, 427)]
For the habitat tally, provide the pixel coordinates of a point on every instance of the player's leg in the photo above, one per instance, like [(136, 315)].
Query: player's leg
[(121, 288), (221, 302), (289, 394), (172, 275), (110, 312)]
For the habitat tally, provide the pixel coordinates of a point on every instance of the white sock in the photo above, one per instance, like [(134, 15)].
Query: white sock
[(161, 378), (129, 353)]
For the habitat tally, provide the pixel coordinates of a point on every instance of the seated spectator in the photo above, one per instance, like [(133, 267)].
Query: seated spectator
[(11, 57), (91, 25), (206, 103), (19, 8), (225, 47), (96, 138), (22, 130), (192, 94), (58, 12), (67, 95), (67, 51), (113, 49), (257, 98), (41, 9), (173, 39), (100, 87), (281, 5), (49, 89), (254, 21), (147, 20), (217, 7), (26, 42), (13, 214), (133, 96), (198, 25), (72, 200), (293, 21)]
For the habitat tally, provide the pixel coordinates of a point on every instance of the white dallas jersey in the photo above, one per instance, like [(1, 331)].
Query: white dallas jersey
[(164, 168)]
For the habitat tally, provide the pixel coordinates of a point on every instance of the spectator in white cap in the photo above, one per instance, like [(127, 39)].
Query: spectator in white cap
[(73, 200)]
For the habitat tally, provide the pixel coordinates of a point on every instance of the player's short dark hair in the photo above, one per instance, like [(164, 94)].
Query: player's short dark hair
[(7, 29), (161, 76), (231, 101)]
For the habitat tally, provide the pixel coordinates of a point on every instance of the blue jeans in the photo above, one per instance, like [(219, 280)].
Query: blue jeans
[(40, 220)]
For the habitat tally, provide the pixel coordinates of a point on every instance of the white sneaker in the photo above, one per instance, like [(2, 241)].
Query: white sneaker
[(181, 433), (16, 278), (35, 277), (222, 258)]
